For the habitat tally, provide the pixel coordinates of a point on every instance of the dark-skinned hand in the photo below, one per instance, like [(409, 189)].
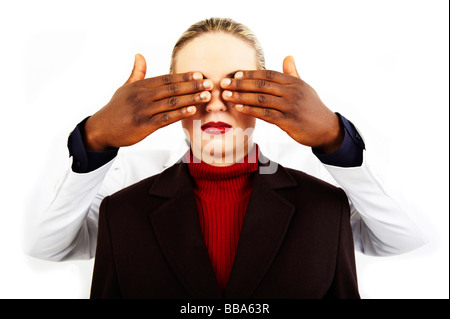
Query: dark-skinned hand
[(285, 100), (141, 106)]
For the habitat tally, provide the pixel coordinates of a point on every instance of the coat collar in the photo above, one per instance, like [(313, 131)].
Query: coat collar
[(177, 229)]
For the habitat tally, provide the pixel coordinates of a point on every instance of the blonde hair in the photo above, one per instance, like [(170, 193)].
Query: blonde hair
[(219, 25)]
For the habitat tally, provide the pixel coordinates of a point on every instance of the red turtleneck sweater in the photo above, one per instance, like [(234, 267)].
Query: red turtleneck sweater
[(222, 195)]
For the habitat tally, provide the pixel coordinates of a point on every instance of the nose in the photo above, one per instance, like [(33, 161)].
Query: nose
[(216, 104)]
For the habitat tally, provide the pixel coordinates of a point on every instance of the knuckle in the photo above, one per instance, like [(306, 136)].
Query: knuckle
[(270, 74), (261, 99), (186, 77), (174, 88), (260, 84), (238, 83), (132, 98), (164, 117), (292, 116), (135, 101), (166, 79), (136, 120), (173, 101), (197, 86), (266, 112), (297, 94)]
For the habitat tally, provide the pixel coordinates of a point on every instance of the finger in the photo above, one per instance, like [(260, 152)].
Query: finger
[(269, 75), (253, 99), (176, 102), (139, 69), (171, 116), (289, 66), (267, 114), (171, 78), (259, 85), (182, 88)]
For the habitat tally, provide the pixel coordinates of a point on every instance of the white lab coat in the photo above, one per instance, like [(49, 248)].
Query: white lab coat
[(65, 228)]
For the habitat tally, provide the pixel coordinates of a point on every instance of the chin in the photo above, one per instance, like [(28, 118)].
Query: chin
[(221, 149), (222, 154), (217, 151)]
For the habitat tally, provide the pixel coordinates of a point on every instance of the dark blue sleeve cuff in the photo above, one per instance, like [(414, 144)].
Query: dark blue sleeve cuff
[(85, 161), (350, 153)]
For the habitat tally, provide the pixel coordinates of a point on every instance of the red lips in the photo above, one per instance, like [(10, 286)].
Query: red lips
[(216, 127)]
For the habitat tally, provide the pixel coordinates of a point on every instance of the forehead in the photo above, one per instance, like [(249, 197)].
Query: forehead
[(216, 54)]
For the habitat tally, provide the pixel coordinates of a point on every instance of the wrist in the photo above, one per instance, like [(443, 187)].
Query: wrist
[(92, 137), (334, 136)]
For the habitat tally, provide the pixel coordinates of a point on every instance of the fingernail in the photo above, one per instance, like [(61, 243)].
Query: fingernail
[(226, 82), (239, 75), (239, 106), (190, 109), (227, 93), (197, 76), (204, 95), (207, 84)]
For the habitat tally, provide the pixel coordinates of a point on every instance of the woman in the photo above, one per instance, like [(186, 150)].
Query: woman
[(215, 225)]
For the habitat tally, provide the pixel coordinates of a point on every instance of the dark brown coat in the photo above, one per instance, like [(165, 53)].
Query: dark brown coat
[(296, 241)]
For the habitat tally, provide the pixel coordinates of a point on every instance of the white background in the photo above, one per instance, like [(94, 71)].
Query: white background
[(382, 64)]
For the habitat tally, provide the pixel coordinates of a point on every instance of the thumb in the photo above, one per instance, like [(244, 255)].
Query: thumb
[(289, 66), (139, 69)]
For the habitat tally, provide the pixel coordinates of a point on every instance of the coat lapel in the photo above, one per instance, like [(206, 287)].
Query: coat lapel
[(177, 229), (265, 224)]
